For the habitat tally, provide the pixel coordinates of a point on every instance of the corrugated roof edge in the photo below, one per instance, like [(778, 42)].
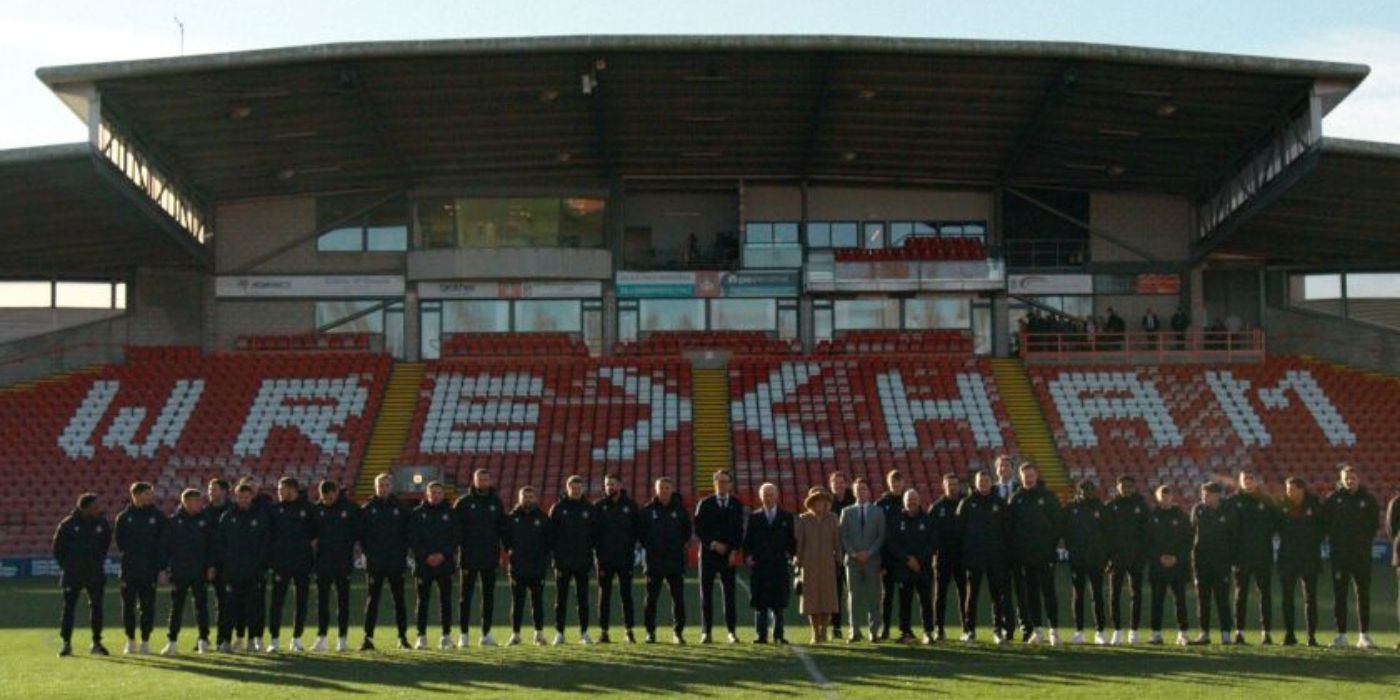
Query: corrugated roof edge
[(42, 154), (78, 73), (1359, 148)]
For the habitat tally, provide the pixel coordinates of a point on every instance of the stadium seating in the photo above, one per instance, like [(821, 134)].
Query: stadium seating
[(1182, 424), (176, 418), (306, 342), (537, 420), (939, 248), (938, 342), (672, 343), (795, 419), (512, 345)]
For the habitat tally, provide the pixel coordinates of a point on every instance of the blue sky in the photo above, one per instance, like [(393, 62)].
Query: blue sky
[(34, 34)]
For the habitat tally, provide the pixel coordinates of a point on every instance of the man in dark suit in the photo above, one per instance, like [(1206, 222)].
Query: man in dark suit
[(769, 544), (719, 525), (80, 548)]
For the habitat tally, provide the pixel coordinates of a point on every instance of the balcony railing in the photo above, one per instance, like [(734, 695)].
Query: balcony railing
[(1160, 347)]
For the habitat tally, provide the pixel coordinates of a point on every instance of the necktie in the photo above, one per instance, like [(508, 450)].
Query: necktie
[(770, 516), (862, 518)]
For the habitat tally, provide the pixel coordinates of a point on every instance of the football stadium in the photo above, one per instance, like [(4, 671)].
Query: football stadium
[(720, 302)]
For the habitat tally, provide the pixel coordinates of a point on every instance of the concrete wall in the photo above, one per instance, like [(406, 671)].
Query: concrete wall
[(772, 203), (71, 348), (17, 324), (874, 204), (510, 263), (250, 229), (261, 317), (1291, 332), (1157, 224)]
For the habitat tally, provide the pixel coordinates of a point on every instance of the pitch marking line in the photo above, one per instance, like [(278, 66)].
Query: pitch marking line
[(808, 663)]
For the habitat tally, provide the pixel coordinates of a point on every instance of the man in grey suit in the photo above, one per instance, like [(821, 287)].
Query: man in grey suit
[(862, 536)]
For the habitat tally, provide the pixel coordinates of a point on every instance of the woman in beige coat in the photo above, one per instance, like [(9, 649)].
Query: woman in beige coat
[(818, 550)]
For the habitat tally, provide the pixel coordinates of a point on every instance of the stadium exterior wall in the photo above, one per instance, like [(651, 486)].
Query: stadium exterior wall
[(252, 229), (1156, 224)]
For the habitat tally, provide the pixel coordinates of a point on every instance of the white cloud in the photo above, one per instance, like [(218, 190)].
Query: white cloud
[(1372, 112)]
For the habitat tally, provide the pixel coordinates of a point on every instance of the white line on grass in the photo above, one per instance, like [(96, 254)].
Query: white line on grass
[(808, 662)]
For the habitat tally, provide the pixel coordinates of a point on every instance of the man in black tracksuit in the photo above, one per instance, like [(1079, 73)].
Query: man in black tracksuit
[(219, 493), (986, 541), (1301, 527), (189, 557), (1212, 552), (1353, 515), (892, 503), (80, 549), (664, 531), (262, 506), (243, 546), (337, 527), (947, 565), (384, 541), (1392, 519), (616, 552), (1088, 555), (483, 521), (529, 540), (139, 531), (1127, 515), (842, 497), (1168, 550), (1256, 521), (1035, 533), (574, 527), (912, 540), (719, 525), (433, 535), (293, 529)]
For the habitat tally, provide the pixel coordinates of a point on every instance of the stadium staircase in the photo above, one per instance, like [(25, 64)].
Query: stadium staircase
[(391, 429), (57, 378), (1029, 424), (711, 426)]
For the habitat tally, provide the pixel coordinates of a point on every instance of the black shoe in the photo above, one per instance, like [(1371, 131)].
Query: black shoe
[(939, 636), (650, 638), (1268, 640), (404, 645), (906, 638), (604, 638), (99, 650), (1312, 641), (760, 640), (631, 638), (1289, 640), (367, 645), (835, 632), (780, 640), (67, 650)]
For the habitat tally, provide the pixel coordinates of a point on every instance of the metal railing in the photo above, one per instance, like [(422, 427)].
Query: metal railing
[(1049, 252), (1159, 347)]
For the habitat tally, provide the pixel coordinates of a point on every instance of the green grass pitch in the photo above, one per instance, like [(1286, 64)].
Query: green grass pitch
[(29, 668)]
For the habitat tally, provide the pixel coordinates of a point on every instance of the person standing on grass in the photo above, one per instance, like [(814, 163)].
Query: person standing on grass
[(218, 491), (841, 498), (483, 521), (1256, 522), (719, 525), (986, 545), (1212, 552), (189, 557), (243, 545), (616, 554), (384, 541), (1300, 532), (818, 551), (432, 536), (1127, 516), (80, 549), (1353, 515), (293, 529), (1035, 523), (948, 568), (769, 544), (1088, 556), (1392, 519), (337, 525), (1006, 486), (529, 539), (892, 503), (912, 542), (575, 533), (862, 527), (1168, 551), (139, 531), (665, 532)]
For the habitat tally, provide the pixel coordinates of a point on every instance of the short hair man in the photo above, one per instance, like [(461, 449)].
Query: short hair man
[(1035, 532), (293, 529), (770, 541), (1168, 549), (385, 544), (863, 531), (1088, 556), (337, 525), (529, 538), (892, 504), (912, 541), (984, 519), (1127, 515), (665, 533), (80, 549), (433, 536), (574, 533), (841, 499), (719, 525), (1210, 556), (1256, 522), (948, 571), (139, 530), (616, 553), (243, 544), (189, 552), (1353, 515), (1300, 531), (483, 520)]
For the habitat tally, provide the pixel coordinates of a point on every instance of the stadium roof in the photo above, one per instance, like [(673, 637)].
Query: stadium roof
[(537, 111), (60, 217), (1346, 211)]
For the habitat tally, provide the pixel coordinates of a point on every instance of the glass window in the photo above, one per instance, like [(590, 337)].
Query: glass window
[(83, 295), (582, 223), (787, 321), (785, 233), (341, 240), (818, 234), (26, 295), (758, 233), (938, 312), (384, 227), (480, 316), (860, 314), (1373, 285), (350, 316), (874, 235), (822, 321), (843, 235), (120, 295), (672, 315), (627, 321), (437, 223), (548, 315), (529, 222), (743, 314), (430, 329)]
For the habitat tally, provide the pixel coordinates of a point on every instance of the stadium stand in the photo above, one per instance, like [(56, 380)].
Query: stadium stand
[(512, 345), (1183, 424), (795, 419), (338, 342), (919, 248), (885, 342), (736, 342), (537, 420), (176, 418)]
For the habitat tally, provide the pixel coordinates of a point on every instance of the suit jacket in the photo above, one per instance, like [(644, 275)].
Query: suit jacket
[(857, 538)]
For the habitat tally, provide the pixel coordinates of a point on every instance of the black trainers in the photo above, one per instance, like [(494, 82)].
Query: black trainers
[(1289, 640), (760, 640), (404, 645), (780, 640), (604, 638), (1312, 641), (367, 645), (650, 638), (99, 650), (67, 650), (1268, 640)]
